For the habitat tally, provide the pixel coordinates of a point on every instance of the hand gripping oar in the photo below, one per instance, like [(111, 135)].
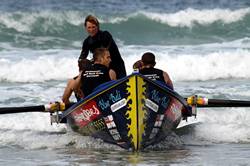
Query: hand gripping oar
[(205, 102), (52, 107)]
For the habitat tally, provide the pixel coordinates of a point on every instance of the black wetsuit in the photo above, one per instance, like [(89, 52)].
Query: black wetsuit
[(93, 77), (153, 74), (104, 39)]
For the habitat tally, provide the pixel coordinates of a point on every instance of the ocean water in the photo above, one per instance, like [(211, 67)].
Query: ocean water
[(203, 45)]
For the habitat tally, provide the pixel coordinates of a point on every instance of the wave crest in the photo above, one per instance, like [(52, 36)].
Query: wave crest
[(25, 21), (190, 17)]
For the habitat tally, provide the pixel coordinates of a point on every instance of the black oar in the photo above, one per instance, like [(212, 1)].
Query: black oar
[(11, 110), (52, 107), (205, 102), (226, 103)]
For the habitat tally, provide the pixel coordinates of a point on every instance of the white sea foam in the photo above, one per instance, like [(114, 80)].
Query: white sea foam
[(223, 125), (190, 16), (38, 66), (215, 65), (227, 125), (34, 131), (202, 62)]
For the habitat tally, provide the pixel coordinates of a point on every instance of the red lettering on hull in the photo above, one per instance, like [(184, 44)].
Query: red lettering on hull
[(85, 114)]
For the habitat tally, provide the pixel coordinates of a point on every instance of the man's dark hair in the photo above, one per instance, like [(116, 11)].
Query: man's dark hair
[(148, 58)]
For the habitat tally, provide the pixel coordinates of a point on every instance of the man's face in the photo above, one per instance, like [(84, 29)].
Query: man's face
[(106, 59), (91, 29)]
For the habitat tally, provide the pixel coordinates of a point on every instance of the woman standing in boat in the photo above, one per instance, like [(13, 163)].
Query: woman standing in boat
[(102, 39)]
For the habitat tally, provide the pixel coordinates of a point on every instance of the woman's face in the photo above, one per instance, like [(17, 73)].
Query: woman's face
[(91, 29)]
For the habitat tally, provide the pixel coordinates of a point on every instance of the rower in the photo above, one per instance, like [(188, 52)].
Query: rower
[(146, 68), (98, 73), (74, 84)]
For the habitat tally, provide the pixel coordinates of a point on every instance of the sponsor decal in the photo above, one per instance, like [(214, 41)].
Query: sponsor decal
[(158, 121), (98, 125), (174, 110), (115, 134), (103, 104), (153, 133), (150, 104), (111, 125), (159, 99), (86, 113), (155, 96), (157, 125), (164, 102), (109, 120), (118, 105), (114, 97)]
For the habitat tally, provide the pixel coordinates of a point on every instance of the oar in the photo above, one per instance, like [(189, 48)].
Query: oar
[(205, 102), (11, 110), (52, 107)]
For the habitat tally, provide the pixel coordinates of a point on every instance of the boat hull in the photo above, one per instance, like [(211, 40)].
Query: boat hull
[(133, 112)]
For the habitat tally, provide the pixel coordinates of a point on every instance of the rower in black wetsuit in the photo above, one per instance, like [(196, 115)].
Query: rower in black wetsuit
[(102, 39), (147, 69), (99, 72)]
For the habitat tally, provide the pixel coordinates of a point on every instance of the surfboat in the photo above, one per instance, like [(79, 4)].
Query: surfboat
[(133, 112)]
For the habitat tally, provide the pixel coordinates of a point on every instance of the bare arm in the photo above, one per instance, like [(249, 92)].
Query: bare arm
[(167, 79), (72, 85), (68, 91), (77, 82), (112, 74)]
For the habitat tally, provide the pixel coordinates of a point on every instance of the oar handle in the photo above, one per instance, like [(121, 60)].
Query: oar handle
[(205, 102), (52, 107)]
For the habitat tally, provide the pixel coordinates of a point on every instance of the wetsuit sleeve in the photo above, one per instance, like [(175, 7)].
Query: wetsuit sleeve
[(110, 44), (85, 50), (117, 62)]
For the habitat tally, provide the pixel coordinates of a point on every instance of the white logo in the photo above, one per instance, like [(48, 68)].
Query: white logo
[(87, 114), (150, 104), (118, 105)]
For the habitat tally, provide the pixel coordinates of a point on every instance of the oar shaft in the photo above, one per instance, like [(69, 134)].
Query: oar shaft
[(205, 102), (10, 110), (226, 103), (52, 107)]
